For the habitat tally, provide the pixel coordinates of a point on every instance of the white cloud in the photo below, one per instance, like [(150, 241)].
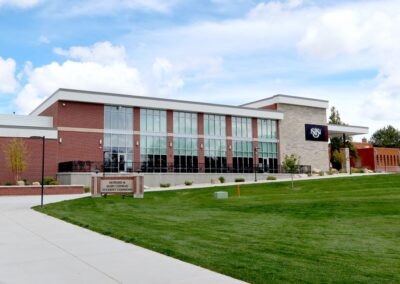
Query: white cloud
[(20, 3), (89, 72), (8, 83), (327, 39), (43, 39), (166, 77), (101, 52)]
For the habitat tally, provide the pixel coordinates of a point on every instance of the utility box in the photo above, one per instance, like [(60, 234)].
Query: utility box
[(221, 195)]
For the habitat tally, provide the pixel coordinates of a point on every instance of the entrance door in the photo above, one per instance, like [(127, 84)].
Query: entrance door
[(121, 163)]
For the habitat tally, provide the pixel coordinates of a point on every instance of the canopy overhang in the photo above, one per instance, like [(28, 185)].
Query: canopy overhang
[(348, 130)]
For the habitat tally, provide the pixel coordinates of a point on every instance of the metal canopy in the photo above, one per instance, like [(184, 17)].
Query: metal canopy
[(348, 130)]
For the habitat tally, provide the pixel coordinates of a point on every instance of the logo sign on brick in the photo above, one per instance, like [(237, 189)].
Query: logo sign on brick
[(116, 186), (316, 132)]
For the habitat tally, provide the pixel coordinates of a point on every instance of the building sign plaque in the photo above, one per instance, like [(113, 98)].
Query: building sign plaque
[(316, 132), (116, 186)]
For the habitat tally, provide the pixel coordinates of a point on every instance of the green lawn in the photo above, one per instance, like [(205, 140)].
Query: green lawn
[(332, 230)]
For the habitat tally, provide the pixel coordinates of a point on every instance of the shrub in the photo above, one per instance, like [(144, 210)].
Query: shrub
[(343, 171), (26, 181), (357, 171), (188, 182), (48, 180), (8, 183), (221, 179), (330, 172), (321, 173), (53, 182), (165, 184), (86, 189), (271, 178), (239, 179)]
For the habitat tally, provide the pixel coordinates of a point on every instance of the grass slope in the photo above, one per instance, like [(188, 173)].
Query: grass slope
[(333, 230)]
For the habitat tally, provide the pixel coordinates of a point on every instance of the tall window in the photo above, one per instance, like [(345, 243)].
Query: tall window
[(153, 140), (185, 142), (267, 145), (118, 139), (215, 143), (242, 144)]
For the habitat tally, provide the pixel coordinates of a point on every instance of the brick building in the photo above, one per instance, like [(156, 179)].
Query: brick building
[(94, 131), (377, 158)]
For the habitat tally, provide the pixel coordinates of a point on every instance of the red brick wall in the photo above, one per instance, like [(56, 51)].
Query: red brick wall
[(33, 171), (229, 147), (80, 146), (270, 107), (80, 115), (36, 190), (366, 159), (53, 112)]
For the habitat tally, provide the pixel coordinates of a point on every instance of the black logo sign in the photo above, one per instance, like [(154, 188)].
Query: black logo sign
[(316, 132)]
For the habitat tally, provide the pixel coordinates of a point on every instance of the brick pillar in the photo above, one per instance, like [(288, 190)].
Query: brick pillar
[(200, 147), (255, 140), (229, 146), (136, 139), (170, 139)]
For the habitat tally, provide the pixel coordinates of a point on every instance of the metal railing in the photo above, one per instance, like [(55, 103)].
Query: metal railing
[(93, 166)]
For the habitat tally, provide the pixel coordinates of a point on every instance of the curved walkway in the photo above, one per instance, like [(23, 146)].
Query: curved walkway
[(36, 248)]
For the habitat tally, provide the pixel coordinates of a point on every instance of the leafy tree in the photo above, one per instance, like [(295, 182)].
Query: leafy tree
[(337, 142), (388, 137), (16, 154), (334, 117), (291, 164)]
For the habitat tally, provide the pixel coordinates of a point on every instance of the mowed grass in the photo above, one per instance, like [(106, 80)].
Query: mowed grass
[(332, 230)]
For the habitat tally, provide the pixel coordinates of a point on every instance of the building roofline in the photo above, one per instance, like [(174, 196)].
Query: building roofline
[(286, 99), (40, 108)]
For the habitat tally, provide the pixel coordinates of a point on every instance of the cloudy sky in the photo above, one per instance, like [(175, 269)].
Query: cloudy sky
[(223, 51)]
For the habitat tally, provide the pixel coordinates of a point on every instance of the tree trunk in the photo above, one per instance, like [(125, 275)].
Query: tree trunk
[(292, 182)]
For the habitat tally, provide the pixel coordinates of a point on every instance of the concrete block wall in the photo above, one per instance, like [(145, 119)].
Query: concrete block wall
[(292, 135)]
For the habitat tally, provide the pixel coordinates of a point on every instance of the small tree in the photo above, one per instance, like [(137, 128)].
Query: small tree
[(16, 154), (291, 164)]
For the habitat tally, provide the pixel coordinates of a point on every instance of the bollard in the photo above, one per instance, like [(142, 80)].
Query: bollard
[(238, 190)]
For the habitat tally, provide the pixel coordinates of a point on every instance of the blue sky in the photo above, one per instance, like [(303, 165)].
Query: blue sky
[(224, 51)]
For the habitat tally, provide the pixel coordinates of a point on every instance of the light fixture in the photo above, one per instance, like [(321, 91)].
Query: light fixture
[(100, 142), (137, 142), (64, 104), (230, 147), (60, 140), (170, 144), (201, 146)]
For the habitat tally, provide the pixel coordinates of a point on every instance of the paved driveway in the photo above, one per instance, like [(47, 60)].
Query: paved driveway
[(35, 248)]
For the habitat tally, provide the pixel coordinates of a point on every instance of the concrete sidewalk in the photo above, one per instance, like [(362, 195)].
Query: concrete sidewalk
[(36, 248)]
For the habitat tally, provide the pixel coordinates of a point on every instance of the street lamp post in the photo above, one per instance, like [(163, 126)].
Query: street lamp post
[(255, 163), (43, 151)]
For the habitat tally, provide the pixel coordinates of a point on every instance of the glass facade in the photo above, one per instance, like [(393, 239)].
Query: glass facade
[(243, 151), (118, 139), (215, 143), (153, 140), (267, 145), (214, 125), (241, 127), (185, 142)]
